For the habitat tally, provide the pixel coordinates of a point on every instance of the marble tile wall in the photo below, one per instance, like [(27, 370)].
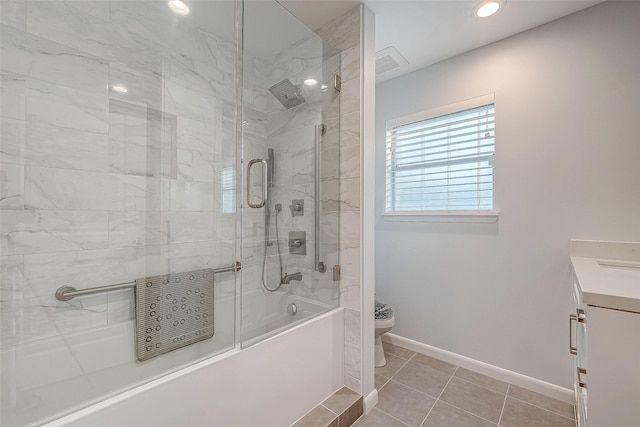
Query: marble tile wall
[(291, 133), (294, 138), (344, 34), (99, 186)]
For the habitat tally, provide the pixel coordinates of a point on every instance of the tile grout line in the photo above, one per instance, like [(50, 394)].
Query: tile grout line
[(399, 369), (544, 409), (414, 389), (433, 397), (329, 409), (470, 413), (481, 386), (470, 382), (504, 403), (432, 367), (389, 415), (438, 398)]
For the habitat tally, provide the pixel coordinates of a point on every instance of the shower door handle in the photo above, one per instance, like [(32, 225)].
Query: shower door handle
[(265, 166)]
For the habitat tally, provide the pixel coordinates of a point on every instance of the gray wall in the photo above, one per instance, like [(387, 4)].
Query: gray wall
[(567, 153)]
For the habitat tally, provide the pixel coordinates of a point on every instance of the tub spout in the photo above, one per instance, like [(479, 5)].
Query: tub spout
[(289, 277)]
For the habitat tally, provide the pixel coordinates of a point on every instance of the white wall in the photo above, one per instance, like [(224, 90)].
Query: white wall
[(567, 98)]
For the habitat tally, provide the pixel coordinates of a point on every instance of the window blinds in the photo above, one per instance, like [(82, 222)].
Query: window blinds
[(443, 163), (228, 190)]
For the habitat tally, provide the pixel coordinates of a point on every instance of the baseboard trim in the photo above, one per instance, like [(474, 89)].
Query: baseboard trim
[(370, 401), (561, 393)]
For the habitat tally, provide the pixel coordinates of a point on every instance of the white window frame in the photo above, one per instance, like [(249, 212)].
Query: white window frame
[(486, 216)]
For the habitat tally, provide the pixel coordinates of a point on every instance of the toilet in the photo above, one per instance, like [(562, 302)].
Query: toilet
[(384, 321)]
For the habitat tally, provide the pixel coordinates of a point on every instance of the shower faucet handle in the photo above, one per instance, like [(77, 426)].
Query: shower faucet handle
[(297, 242), (297, 207)]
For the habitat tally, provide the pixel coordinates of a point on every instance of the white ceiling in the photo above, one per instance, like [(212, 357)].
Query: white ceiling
[(429, 31)]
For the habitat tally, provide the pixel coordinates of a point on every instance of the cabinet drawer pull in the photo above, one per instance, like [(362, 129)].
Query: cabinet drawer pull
[(581, 383), (572, 349)]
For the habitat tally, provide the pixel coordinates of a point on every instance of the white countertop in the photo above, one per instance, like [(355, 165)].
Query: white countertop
[(608, 273)]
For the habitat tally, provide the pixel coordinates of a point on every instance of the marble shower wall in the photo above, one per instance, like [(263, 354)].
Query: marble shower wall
[(100, 186), (292, 135), (344, 35)]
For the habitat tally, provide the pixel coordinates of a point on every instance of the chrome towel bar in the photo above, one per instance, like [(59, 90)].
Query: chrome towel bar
[(66, 293)]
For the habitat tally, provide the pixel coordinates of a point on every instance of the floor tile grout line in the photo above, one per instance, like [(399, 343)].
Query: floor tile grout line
[(429, 367), (400, 357), (454, 406), (432, 367), (486, 388), (544, 409), (385, 383), (438, 398), (468, 412), (399, 369), (397, 419), (330, 410), (504, 403), (471, 382), (413, 389)]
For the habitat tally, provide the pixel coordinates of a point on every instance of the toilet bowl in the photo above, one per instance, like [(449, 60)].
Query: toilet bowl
[(382, 326)]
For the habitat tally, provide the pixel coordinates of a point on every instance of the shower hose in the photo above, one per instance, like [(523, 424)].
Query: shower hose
[(266, 245)]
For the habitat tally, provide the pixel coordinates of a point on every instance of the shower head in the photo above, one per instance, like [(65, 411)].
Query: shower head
[(287, 93)]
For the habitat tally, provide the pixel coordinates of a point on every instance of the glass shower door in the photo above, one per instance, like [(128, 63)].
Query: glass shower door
[(117, 153), (290, 160)]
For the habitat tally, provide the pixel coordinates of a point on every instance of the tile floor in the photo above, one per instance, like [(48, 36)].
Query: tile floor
[(420, 391), (339, 410)]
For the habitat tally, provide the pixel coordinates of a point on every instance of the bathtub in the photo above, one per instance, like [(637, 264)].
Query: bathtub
[(265, 314), (286, 368)]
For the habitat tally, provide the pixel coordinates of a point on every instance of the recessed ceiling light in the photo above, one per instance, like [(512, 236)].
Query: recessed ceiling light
[(179, 7), (311, 82), (487, 8), (120, 89), (324, 87)]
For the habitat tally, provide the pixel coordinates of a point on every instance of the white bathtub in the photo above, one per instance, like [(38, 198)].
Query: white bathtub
[(265, 314), (270, 384), (73, 370)]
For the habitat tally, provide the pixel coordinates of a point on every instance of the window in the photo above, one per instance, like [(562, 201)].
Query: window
[(228, 190), (442, 160)]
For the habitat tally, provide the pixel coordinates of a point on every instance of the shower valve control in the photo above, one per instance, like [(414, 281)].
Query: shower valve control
[(297, 242), (297, 207)]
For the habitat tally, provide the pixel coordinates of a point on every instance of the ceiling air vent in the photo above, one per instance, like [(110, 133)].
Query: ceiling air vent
[(389, 59)]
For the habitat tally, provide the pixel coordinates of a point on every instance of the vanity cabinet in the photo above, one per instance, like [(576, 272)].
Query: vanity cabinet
[(604, 335)]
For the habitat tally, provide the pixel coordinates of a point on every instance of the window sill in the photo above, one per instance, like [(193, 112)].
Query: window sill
[(442, 216)]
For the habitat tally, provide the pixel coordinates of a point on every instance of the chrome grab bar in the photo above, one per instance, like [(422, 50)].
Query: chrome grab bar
[(265, 177), (317, 264), (66, 293)]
